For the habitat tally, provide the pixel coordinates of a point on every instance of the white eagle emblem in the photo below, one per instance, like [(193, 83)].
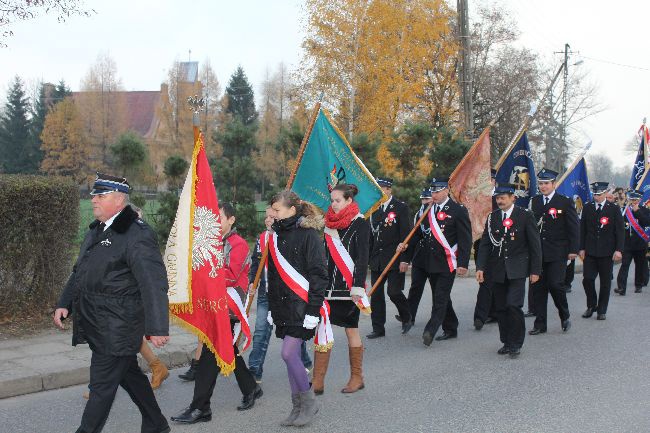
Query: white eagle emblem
[(207, 245)]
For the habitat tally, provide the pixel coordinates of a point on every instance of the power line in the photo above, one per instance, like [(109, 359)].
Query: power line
[(641, 68)]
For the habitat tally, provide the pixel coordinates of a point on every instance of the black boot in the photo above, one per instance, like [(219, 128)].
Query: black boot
[(191, 372)]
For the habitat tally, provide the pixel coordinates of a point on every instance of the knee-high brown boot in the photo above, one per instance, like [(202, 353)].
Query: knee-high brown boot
[(356, 374), (321, 362)]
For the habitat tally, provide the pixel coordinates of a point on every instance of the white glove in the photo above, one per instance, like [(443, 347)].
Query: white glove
[(269, 318), (310, 322)]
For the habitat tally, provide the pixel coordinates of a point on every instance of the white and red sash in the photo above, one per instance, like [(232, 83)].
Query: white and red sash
[(324, 339), (634, 223), (450, 252), (344, 264), (239, 309)]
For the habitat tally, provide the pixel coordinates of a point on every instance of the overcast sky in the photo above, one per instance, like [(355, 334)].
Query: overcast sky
[(145, 37)]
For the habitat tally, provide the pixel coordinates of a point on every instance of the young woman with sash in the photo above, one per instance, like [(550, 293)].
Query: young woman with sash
[(347, 242), (297, 279)]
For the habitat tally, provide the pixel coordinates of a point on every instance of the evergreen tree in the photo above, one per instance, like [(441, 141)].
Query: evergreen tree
[(40, 109), (449, 147), (241, 98), (61, 91), (15, 140)]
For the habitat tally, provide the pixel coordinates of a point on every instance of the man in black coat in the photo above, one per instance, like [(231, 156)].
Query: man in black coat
[(447, 242), (559, 229), (390, 225), (485, 311), (418, 273), (510, 252), (636, 219), (117, 294), (602, 238)]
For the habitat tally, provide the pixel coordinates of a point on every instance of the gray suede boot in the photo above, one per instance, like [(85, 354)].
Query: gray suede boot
[(295, 399), (308, 408)]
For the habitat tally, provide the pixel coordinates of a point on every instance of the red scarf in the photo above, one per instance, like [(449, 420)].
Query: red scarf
[(343, 219)]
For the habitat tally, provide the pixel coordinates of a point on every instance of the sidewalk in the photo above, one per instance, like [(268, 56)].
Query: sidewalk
[(49, 361)]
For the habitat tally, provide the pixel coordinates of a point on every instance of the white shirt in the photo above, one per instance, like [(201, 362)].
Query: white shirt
[(600, 205), (549, 197), (507, 213), (386, 203), (109, 221), (441, 205)]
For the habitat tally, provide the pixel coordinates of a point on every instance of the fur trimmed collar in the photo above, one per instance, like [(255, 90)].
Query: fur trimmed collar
[(122, 222)]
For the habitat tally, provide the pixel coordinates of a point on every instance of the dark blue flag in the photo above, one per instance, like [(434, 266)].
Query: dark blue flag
[(518, 169), (639, 167), (575, 185)]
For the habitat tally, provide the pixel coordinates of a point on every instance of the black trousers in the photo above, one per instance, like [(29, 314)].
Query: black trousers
[(551, 281), (569, 274), (107, 372), (418, 281), (597, 267), (485, 306), (442, 310), (530, 296), (395, 291), (206, 378), (509, 298), (640, 269)]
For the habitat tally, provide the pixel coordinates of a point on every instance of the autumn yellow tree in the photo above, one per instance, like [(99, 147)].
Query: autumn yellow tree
[(103, 108), (66, 149), (371, 58)]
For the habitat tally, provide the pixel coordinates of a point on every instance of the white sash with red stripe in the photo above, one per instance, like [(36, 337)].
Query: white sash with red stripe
[(236, 306), (344, 264), (324, 339), (450, 251)]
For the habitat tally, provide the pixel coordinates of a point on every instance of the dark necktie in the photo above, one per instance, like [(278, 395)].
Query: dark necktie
[(436, 209), (546, 200), (599, 207)]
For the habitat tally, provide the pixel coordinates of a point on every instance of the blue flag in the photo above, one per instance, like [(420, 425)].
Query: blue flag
[(328, 160), (575, 185), (518, 169), (640, 162)]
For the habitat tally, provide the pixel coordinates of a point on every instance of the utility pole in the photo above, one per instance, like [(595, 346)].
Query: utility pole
[(465, 72), (562, 150)]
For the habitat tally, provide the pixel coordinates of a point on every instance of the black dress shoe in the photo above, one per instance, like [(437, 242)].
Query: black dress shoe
[(529, 314), (191, 416), (617, 290), (375, 334), (504, 350), (536, 331), (514, 352), (446, 336), (406, 326), (478, 324), (637, 290), (621, 293), (566, 325), (588, 313), (491, 320), (398, 318), (427, 338), (248, 401), (601, 317)]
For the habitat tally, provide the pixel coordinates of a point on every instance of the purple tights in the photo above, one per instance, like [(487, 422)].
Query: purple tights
[(298, 379)]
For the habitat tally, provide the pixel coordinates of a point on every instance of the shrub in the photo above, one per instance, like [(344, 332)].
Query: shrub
[(39, 218)]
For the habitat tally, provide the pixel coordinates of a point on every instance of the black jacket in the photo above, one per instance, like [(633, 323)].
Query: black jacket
[(255, 262), (634, 242), (520, 253), (387, 233), (601, 240), (117, 291), (427, 253), (559, 226), (302, 246), (356, 240)]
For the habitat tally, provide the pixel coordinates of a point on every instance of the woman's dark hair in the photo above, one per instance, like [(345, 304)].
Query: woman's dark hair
[(349, 190), (290, 198), (228, 209)]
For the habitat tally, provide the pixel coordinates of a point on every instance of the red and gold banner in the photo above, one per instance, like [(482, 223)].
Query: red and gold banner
[(194, 258)]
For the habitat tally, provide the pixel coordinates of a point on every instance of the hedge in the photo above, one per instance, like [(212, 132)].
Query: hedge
[(39, 218)]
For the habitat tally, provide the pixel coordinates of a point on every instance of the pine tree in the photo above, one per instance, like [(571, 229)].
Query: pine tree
[(61, 91), (241, 98), (15, 132), (40, 108)]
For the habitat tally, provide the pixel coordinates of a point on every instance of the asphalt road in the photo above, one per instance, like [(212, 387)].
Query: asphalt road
[(595, 378)]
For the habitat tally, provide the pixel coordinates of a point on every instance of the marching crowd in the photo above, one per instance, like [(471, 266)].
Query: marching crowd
[(314, 277)]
